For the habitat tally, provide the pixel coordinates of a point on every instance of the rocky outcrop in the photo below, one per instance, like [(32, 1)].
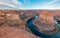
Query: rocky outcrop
[(12, 32)]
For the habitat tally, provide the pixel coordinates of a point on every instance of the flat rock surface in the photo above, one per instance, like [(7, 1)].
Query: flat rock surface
[(11, 32)]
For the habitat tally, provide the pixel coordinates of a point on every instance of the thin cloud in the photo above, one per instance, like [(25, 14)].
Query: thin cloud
[(50, 5), (52, 2), (26, 1), (10, 3), (7, 4), (16, 2)]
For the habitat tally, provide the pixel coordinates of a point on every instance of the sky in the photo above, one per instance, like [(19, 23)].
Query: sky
[(41, 4), (30, 4)]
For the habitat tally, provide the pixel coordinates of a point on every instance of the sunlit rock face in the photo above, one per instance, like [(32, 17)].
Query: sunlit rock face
[(53, 12), (17, 18), (2, 18), (46, 23), (46, 17), (11, 19), (12, 32)]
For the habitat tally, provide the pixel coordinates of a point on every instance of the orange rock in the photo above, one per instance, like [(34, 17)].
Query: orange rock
[(46, 18), (11, 32), (45, 22), (11, 18)]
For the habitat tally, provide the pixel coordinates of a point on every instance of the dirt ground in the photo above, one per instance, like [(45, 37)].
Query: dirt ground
[(17, 19)]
